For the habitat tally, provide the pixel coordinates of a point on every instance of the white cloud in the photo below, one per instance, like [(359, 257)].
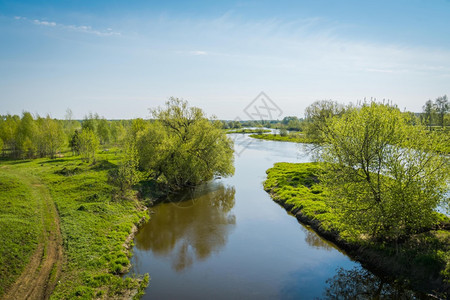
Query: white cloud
[(45, 23), (77, 28)]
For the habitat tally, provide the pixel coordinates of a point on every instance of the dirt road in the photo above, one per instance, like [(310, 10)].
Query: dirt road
[(41, 274)]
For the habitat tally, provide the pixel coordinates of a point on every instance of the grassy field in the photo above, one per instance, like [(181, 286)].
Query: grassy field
[(20, 225), (423, 259), (94, 224), (292, 137)]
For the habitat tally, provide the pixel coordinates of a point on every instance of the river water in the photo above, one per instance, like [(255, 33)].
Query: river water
[(227, 239)]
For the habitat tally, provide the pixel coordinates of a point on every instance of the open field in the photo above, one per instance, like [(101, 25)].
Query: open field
[(94, 224)]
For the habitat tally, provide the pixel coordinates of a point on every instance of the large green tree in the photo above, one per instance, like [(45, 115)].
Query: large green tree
[(384, 175), (183, 147)]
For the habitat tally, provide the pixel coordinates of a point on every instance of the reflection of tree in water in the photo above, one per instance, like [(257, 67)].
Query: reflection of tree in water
[(190, 230), (359, 283), (314, 240)]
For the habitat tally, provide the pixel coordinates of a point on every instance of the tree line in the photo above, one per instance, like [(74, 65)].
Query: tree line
[(29, 136), (178, 147)]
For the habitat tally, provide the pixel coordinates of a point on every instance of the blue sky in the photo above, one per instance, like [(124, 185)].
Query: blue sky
[(119, 58)]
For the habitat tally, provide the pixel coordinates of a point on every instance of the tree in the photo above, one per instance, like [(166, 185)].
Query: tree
[(88, 143), (183, 148), (52, 136), (428, 112), (127, 173), (1, 144), (70, 125), (26, 136), (90, 122), (118, 132), (103, 131), (317, 116), (442, 108), (74, 143), (383, 174)]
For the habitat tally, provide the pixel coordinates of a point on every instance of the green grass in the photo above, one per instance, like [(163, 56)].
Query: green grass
[(20, 227), (245, 130), (94, 224), (423, 256), (291, 137)]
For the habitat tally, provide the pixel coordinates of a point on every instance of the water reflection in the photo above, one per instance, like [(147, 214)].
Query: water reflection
[(190, 227), (358, 283), (314, 240)]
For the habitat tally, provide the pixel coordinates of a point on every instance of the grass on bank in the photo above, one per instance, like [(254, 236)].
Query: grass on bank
[(247, 130), (94, 225), (293, 137), (424, 258), (20, 227)]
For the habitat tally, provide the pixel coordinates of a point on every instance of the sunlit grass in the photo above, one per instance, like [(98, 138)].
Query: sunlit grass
[(94, 226)]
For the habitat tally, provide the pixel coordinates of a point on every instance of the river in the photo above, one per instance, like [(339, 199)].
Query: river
[(227, 239)]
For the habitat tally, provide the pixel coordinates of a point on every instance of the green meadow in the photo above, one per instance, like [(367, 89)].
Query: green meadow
[(94, 224)]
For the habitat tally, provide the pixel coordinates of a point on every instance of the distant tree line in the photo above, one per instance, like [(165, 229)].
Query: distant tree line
[(28, 136)]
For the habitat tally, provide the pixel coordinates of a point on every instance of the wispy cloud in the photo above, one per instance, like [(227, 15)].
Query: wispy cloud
[(198, 52), (75, 28), (44, 23)]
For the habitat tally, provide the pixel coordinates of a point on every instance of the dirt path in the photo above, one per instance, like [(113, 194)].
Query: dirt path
[(41, 274)]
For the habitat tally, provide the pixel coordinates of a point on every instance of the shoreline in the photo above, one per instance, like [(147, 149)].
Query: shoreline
[(368, 258), (382, 264), (143, 279)]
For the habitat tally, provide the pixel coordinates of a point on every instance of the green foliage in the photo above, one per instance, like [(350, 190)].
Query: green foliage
[(103, 131), (182, 147), (51, 136), (386, 180), (31, 137), (423, 255), (318, 115), (88, 145), (90, 122), (74, 143), (442, 108), (428, 112), (118, 132), (292, 123), (127, 173), (283, 132)]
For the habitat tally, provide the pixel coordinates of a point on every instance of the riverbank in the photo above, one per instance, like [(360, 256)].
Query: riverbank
[(291, 137), (421, 262), (96, 227), (247, 130)]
